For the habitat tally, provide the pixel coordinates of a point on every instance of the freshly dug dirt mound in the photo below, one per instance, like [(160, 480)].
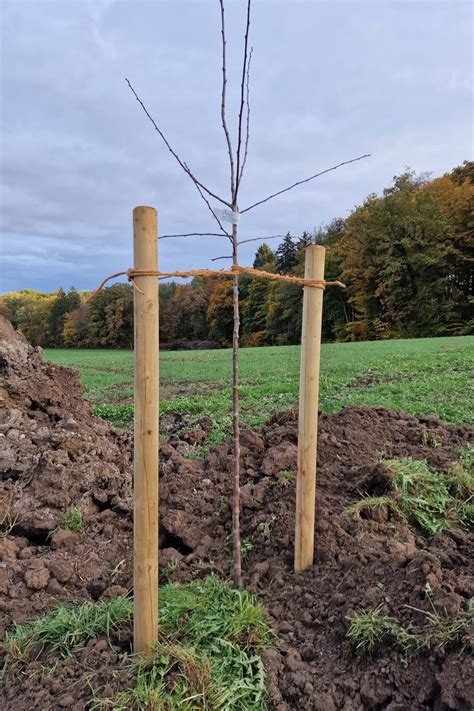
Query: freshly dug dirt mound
[(55, 456)]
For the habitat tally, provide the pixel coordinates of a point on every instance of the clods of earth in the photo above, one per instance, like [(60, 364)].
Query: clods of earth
[(57, 460)]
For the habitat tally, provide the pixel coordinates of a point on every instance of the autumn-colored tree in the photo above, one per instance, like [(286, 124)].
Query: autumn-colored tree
[(406, 256), (454, 195), (62, 304), (463, 172), (111, 317), (168, 314), (76, 328), (220, 311), (191, 304), (336, 312), (284, 313), (396, 260), (29, 311), (255, 302)]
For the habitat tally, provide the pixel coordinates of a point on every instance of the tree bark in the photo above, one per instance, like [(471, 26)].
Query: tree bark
[(235, 419)]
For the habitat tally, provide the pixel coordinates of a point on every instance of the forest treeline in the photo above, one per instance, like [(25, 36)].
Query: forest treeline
[(406, 257)]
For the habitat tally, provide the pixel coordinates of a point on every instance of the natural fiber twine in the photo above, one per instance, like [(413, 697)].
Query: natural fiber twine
[(235, 270)]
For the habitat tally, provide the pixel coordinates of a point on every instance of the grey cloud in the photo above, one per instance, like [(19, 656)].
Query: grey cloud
[(329, 81)]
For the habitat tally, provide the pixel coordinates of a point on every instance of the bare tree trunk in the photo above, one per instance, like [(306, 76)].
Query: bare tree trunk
[(235, 419)]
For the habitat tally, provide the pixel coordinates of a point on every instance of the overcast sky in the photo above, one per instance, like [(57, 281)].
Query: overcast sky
[(330, 81)]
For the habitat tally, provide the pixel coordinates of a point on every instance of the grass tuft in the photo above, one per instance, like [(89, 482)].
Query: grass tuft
[(368, 629), (443, 631), (423, 496), (430, 500), (173, 677), (246, 547), (370, 502), (209, 609), (197, 452), (66, 628), (72, 521), (287, 474)]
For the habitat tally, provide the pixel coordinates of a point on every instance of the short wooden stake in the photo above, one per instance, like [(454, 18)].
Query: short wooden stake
[(145, 507), (308, 410)]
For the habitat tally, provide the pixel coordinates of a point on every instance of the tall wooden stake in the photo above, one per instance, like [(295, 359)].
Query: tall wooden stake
[(145, 507), (308, 410)]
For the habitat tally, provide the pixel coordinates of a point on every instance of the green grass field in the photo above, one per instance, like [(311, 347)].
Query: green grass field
[(418, 376)]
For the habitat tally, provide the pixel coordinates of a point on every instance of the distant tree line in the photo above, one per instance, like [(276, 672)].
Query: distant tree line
[(406, 257)]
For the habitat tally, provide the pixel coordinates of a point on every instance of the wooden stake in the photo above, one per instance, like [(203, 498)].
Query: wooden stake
[(308, 410), (145, 507)]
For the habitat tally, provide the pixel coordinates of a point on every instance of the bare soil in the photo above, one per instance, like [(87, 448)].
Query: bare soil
[(54, 455)]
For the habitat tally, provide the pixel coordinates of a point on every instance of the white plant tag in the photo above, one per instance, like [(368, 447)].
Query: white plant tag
[(228, 216)]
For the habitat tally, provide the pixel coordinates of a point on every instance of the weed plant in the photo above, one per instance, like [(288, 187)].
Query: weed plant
[(70, 521)]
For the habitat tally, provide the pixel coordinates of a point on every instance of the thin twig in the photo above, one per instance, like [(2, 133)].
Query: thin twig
[(300, 182), (173, 152), (242, 99), (216, 259), (223, 104), (247, 134), (258, 239)]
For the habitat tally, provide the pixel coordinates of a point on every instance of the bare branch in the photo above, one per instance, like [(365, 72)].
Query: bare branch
[(216, 259), (242, 100), (173, 152), (300, 182), (223, 104), (247, 133), (218, 234), (192, 234), (258, 239)]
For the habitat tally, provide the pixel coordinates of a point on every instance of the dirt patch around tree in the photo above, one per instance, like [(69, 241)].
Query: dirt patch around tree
[(55, 457)]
